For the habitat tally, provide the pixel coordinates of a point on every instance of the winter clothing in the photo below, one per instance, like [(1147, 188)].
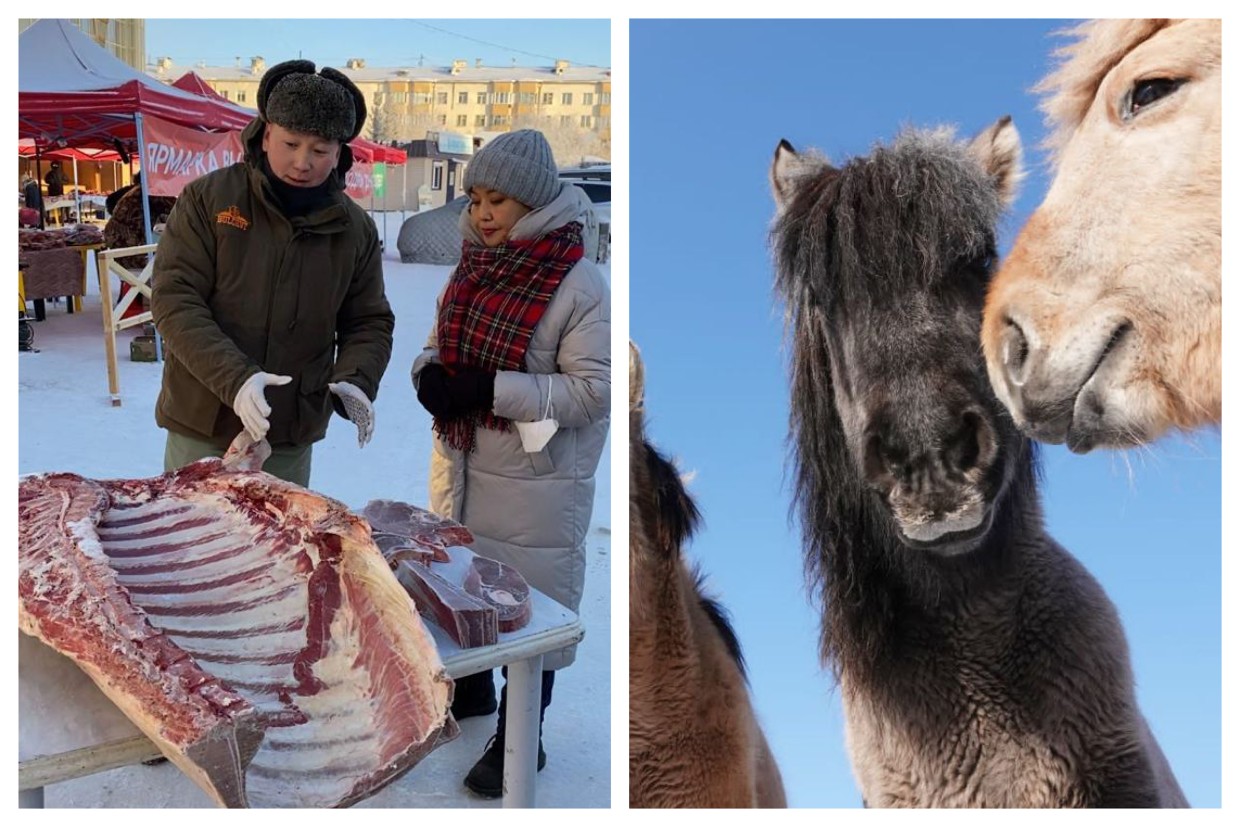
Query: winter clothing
[(486, 778), (32, 194), (532, 511), (328, 104), (488, 313), (449, 396), (240, 287), (112, 200), (474, 696), (55, 180), (518, 164)]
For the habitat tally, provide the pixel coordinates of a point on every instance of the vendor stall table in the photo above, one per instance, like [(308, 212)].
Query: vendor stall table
[(70, 729), (60, 271)]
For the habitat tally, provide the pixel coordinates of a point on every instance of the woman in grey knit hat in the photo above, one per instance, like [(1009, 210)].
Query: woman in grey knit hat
[(517, 375)]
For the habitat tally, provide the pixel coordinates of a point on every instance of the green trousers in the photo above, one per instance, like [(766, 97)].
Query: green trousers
[(290, 463)]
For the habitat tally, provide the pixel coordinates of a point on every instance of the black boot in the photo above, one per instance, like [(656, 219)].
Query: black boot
[(487, 776), (474, 695)]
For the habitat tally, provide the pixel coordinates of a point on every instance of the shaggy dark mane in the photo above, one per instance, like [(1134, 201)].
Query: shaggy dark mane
[(722, 622), (672, 515)]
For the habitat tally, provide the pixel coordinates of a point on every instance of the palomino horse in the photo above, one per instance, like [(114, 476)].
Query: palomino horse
[(693, 737), (1103, 328), (979, 663)]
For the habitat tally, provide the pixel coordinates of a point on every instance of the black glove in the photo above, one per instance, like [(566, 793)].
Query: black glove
[(471, 389), (447, 395), (433, 389)]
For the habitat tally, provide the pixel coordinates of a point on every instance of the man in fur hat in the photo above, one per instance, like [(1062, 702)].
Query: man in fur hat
[(269, 285)]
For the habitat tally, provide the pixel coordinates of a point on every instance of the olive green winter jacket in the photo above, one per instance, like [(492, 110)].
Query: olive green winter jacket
[(240, 288)]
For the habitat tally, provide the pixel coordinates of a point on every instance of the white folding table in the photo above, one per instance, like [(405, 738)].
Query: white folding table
[(69, 728)]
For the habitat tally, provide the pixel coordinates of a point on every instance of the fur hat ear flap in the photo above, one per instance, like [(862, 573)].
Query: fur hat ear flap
[(359, 100), (275, 74), (346, 159)]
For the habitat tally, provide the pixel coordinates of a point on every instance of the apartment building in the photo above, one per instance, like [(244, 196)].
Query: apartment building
[(405, 103)]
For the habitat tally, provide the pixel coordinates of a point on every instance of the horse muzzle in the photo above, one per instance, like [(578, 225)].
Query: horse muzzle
[(1059, 385)]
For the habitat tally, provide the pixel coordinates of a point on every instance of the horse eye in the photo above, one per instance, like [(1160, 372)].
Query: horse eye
[(1148, 92)]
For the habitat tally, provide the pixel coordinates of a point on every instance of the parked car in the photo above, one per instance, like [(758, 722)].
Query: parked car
[(599, 193), (598, 172)]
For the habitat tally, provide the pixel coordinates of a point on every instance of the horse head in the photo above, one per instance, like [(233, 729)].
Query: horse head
[(883, 265), (1103, 327)]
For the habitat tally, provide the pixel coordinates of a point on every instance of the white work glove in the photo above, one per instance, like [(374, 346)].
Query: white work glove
[(251, 403), (357, 406)]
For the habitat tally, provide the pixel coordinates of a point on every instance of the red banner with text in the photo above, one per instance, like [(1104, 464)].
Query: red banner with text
[(176, 155)]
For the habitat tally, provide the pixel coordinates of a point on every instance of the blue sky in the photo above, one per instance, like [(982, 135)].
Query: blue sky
[(381, 42), (1146, 523)]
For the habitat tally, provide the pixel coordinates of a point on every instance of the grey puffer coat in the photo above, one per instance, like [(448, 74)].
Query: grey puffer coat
[(532, 511)]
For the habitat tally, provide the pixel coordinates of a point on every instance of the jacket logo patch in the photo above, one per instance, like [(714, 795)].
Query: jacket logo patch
[(233, 218)]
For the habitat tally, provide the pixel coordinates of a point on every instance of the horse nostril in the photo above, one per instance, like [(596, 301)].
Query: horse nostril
[(963, 448), (1015, 352)]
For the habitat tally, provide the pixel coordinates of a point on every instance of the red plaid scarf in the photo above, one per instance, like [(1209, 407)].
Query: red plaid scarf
[(489, 310)]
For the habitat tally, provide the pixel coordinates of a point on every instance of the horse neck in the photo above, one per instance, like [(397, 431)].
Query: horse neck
[(666, 620)]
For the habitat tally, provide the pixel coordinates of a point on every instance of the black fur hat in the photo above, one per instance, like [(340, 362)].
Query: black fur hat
[(326, 104)]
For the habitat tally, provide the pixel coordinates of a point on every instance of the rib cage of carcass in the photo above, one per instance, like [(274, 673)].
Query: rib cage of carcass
[(248, 626)]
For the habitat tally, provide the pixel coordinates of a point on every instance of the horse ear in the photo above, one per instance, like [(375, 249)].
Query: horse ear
[(789, 166), (997, 149), (637, 377)]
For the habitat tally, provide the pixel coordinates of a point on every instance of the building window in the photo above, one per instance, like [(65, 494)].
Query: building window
[(241, 97), (503, 97), (443, 120), (567, 98), (225, 94), (566, 120), (587, 121), (437, 177), (529, 97), (604, 122), (462, 120), (587, 99), (548, 98), (442, 98), (421, 97), (499, 120), (462, 98), (604, 98), (400, 97), (480, 120), (482, 98)]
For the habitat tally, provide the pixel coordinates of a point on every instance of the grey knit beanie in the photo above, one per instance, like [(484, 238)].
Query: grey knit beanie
[(326, 104), (518, 164)]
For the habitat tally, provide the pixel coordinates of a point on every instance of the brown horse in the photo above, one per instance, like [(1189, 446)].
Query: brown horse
[(1104, 326), (693, 738)]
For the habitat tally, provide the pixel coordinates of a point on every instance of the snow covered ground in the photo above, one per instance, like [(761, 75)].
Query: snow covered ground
[(66, 423)]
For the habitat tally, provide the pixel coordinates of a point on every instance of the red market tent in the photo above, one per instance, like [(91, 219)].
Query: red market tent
[(191, 82), (26, 149), (73, 92)]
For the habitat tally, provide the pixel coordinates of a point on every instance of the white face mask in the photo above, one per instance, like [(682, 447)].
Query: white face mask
[(536, 435)]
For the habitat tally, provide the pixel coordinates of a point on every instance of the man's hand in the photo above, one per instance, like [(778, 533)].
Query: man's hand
[(357, 406), (251, 403)]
